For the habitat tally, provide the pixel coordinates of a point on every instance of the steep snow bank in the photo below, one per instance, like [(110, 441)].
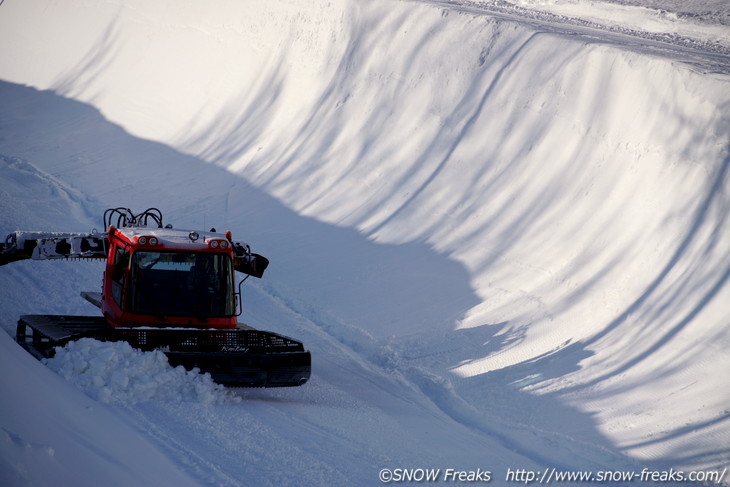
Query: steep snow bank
[(50, 433)]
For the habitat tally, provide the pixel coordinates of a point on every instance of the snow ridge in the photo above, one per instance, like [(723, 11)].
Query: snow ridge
[(116, 373)]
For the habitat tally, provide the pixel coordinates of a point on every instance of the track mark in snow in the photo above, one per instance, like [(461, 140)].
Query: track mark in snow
[(19, 457), (17, 169), (379, 365), (179, 444), (711, 57), (19, 442)]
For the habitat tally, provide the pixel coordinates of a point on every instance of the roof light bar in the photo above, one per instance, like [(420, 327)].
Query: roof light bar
[(145, 240)]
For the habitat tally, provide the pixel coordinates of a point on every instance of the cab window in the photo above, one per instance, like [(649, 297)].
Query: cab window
[(197, 284)]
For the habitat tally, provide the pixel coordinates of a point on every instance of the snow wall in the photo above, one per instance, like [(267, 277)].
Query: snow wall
[(556, 207)]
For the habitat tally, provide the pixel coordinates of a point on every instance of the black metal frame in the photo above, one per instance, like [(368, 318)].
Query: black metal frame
[(238, 358)]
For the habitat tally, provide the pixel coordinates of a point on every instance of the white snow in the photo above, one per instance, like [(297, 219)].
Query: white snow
[(499, 226), (115, 373), (705, 22), (53, 434)]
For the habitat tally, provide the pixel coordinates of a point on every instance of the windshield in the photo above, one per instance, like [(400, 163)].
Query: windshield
[(181, 284)]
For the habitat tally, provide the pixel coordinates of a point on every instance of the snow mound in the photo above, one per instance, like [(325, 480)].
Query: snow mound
[(116, 373)]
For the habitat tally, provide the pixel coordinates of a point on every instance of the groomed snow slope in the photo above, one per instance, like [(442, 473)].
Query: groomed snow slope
[(506, 246)]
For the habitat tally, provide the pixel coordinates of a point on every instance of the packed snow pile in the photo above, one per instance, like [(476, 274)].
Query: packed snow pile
[(116, 373)]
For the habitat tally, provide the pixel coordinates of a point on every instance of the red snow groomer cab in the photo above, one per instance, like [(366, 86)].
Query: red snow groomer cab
[(167, 289)]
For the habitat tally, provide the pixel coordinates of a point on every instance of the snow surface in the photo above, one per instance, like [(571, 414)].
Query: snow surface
[(705, 22), (500, 227), (117, 373)]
